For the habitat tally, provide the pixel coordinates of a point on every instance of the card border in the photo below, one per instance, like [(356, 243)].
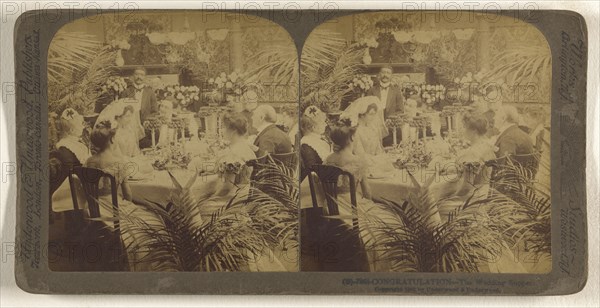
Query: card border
[(569, 228)]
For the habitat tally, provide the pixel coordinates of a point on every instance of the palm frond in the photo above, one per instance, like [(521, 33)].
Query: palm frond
[(70, 52), (231, 237)]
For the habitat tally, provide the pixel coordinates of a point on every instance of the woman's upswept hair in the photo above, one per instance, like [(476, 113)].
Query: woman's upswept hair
[(341, 136), (102, 136), (236, 122), (477, 122)]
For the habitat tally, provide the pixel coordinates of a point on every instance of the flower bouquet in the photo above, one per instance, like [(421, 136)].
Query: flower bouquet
[(410, 89), (171, 157), (457, 144), (411, 154), (183, 95), (227, 87), (361, 84), (432, 94), (114, 86)]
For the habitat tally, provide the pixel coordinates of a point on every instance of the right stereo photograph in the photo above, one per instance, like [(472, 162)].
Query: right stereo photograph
[(425, 145)]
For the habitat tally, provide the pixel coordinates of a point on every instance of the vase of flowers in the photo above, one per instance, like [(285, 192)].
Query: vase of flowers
[(184, 96), (432, 94), (228, 87), (361, 84), (114, 86)]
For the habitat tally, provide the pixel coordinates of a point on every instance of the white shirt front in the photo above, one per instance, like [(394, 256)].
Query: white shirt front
[(383, 98)]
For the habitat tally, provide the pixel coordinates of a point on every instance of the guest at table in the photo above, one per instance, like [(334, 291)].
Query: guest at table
[(314, 147), (391, 100), (343, 157), (231, 162), (288, 122), (470, 163), (165, 134), (69, 152), (108, 158), (511, 140), (270, 139), (72, 126)]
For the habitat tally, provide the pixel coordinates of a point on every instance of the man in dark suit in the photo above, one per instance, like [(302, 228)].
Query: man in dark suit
[(514, 145), (391, 99), (145, 95), (512, 140), (270, 138)]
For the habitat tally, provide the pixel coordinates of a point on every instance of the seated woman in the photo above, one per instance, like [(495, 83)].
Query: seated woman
[(108, 158), (367, 210), (231, 162), (72, 125), (472, 173), (69, 152), (344, 158), (362, 113), (314, 148), (165, 134)]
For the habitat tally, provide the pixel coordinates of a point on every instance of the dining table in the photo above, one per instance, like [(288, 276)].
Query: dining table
[(157, 187), (398, 184)]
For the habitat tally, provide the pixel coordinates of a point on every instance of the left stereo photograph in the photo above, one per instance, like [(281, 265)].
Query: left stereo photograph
[(172, 144)]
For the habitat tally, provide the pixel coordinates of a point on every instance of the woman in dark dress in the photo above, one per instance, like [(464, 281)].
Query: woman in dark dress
[(314, 148), (69, 152)]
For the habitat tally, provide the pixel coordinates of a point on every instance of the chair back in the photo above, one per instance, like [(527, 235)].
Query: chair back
[(328, 177), (90, 181), (288, 159), (257, 164)]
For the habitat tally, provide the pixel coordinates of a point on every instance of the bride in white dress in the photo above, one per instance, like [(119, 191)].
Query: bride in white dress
[(363, 114)]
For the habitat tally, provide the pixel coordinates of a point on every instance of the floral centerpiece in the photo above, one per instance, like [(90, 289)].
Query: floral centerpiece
[(411, 153), (361, 84), (114, 86), (185, 96), (170, 157), (227, 87), (410, 89), (432, 94)]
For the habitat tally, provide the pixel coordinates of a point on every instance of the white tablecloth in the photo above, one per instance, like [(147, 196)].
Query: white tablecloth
[(158, 189)]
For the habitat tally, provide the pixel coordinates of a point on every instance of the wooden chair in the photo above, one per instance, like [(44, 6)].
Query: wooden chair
[(331, 229), (89, 179), (60, 164), (328, 177)]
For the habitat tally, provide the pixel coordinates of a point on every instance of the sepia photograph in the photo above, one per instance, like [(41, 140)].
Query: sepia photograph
[(173, 144), (425, 144), (303, 149)]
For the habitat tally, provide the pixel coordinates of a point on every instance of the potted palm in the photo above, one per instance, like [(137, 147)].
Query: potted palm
[(477, 233), (230, 238)]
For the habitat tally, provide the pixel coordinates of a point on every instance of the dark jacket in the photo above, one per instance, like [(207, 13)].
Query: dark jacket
[(514, 141), (394, 103), (273, 140), (61, 162), (308, 158)]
